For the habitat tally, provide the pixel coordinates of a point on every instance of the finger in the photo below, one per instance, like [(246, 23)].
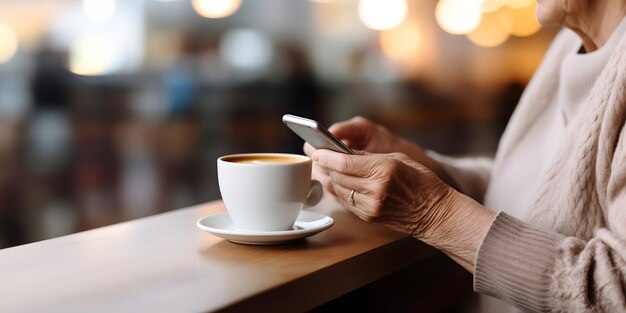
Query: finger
[(354, 165), (308, 149), (350, 182), (354, 131), (343, 196), (359, 205), (320, 174), (354, 127)]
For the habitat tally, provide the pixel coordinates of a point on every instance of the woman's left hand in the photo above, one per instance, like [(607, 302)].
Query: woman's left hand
[(390, 189)]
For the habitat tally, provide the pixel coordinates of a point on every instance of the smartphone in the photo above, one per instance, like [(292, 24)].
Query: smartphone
[(315, 134)]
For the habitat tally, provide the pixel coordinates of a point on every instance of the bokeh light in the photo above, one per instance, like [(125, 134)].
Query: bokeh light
[(493, 30), (458, 16), (216, 8), (9, 43), (492, 5), (382, 14), (99, 10), (518, 4), (402, 43), (523, 21), (90, 55), (246, 49)]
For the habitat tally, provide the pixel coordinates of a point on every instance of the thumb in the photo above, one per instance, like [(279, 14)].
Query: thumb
[(353, 131), (361, 152)]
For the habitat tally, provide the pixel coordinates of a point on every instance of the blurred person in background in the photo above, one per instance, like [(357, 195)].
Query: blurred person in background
[(543, 225)]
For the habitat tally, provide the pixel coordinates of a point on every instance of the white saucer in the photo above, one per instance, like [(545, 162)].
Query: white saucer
[(307, 224)]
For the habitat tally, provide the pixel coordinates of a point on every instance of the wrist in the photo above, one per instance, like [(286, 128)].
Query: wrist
[(439, 215), (461, 224)]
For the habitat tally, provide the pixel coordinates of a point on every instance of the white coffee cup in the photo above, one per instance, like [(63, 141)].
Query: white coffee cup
[(266, 191)]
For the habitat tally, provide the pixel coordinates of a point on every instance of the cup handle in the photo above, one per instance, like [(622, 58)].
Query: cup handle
[(315, 194)]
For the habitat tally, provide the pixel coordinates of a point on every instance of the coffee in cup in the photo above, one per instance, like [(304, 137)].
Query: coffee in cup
[(266, 191)]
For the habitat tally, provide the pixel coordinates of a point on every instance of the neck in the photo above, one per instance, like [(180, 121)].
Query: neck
[(594, 21)]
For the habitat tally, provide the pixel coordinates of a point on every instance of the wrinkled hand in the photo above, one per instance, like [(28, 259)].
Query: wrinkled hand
[(361, 134), (390, 189)]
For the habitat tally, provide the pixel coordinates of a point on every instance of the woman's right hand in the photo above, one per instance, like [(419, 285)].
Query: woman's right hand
[(357, 133), (362, 134)]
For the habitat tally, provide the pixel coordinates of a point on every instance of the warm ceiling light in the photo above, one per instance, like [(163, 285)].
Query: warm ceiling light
[(523, 21), (9, 41), (492, 5), (493, 30), (216, 8), (382, 14), (517, 4), (458, 16), (246, 49), (402, 43), (90, 55), (99, 10)]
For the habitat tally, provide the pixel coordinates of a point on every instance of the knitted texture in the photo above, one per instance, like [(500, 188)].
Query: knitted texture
[(571, 255), (526, 288)]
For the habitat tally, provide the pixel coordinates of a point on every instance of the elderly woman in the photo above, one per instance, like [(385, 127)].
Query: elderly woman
[(550, 234)]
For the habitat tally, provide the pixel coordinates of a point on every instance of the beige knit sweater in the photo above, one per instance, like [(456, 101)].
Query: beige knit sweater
[(570, 256)]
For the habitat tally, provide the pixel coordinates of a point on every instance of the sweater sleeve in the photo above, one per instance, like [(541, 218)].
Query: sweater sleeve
[(471, 174), (541, 271)]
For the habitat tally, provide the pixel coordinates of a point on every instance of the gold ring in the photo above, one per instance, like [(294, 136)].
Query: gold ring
[(351, 198)]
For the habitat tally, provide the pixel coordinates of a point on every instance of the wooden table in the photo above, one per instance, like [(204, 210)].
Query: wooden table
[(163, 263)]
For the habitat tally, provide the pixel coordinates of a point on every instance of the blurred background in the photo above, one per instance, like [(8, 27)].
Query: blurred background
[(112, 110)]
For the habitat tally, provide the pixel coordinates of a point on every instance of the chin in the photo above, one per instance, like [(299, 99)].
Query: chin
[(549, 13)]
